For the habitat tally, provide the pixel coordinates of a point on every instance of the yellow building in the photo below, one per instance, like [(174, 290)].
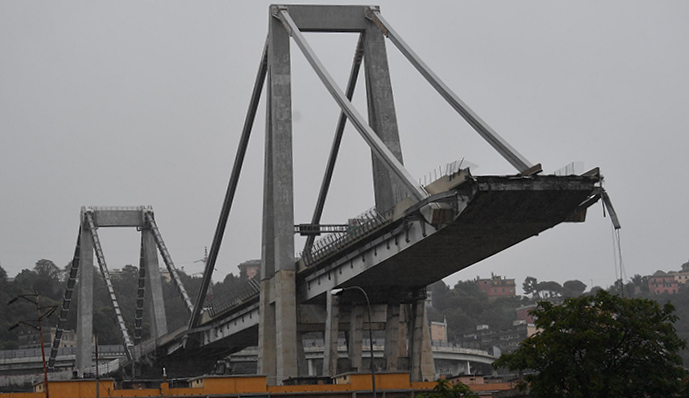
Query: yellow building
[(346, 385)]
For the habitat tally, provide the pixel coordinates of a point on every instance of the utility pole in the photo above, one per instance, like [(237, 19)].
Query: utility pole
[(97, 373), (34, 299)]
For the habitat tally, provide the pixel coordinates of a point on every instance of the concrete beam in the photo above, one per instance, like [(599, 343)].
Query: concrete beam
[(328, 18), (118, 216)]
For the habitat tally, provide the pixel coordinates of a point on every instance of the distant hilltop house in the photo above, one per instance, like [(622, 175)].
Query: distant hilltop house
[(497, 286), (439, 331), (251, 268), (668, 282)]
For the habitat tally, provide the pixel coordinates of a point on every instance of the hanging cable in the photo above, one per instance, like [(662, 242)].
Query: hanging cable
[(620, 274), (623, 273), (614, 256)]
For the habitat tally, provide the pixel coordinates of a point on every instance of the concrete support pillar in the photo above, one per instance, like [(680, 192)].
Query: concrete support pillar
[(392, 334), (402, 340), (422, 366), (266, 334), (311, 369), (154, 286), (330, 336), (84, 356), (278, 350), (355, 343), (381, 114), (303, 366), (286, 325)]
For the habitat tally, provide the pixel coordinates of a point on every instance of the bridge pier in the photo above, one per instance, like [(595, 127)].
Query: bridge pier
[(84, 357), (392, 336), (398, 321), (355, 337), (278, 347), (331, 336), (154, 285), (421, 355)]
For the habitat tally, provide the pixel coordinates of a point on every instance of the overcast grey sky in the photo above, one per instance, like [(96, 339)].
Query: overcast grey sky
[(142, 103)]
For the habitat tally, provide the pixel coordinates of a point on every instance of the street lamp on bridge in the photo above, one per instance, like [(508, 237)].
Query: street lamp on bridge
[(337, 292)]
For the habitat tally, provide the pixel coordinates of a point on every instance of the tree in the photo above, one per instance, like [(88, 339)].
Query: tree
[(3, 277), (47, 280), (640, 284), (601, 346), (573, 288), (549, 288), (530, 286)]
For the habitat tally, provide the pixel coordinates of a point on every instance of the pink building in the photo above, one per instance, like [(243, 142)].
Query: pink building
[(662, 282), (523, 313), (251, 268), (497, 286)]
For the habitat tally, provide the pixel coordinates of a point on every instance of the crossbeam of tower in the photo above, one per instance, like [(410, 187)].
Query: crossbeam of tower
[(149, 288)]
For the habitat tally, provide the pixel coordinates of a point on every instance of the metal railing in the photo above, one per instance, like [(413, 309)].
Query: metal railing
[(451, 169), (359, 227), (369, 221), (103, 350), (249, 290)]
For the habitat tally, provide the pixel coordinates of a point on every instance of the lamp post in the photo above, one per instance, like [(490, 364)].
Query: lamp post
[(33, 298), (337, 292)]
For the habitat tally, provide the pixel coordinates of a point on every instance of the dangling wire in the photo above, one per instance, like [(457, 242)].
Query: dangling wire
[(623, 273), (620, 274)]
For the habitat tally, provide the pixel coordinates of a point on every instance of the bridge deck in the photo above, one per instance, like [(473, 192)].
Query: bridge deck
[(502, 212), (497, 212)]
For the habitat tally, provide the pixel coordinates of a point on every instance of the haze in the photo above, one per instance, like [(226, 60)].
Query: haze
[(142, 103)]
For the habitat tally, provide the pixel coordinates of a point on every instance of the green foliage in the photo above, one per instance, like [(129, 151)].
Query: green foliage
[(573, 288), (530, 286), (466, 306), (549, 289), (446, 390), (601, 346)]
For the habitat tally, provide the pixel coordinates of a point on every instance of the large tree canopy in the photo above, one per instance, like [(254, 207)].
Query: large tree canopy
[(601, 346)]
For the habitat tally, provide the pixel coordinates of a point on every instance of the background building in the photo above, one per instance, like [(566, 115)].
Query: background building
[(497, 286)]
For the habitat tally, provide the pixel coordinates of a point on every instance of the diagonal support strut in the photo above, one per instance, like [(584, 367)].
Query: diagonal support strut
[(491, 136), (231, 189), (374, 142)]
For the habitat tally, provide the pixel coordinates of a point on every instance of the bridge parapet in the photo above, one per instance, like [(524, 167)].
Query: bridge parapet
[(360, 227), (245, 293)]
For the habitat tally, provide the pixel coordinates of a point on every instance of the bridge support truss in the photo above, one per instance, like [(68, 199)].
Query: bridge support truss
[(150, 290), (280, 350)]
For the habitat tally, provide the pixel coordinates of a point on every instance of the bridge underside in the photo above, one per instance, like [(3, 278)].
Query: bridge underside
[(501, 212)]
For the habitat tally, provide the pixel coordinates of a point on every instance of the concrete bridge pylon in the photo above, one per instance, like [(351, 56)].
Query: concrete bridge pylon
[(281, 323), (280, 350), (150, 290)]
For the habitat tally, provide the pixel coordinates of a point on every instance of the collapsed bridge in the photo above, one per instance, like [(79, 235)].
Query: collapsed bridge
[(416, 234)]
